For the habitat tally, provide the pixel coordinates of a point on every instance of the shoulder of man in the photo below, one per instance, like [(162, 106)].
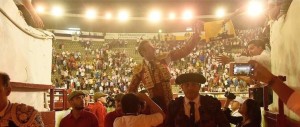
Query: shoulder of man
[(210, 102), (162, 56), (24, 115), (138, 68)]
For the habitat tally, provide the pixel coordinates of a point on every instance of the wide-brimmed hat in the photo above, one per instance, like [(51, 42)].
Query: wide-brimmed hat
[(190, 77)]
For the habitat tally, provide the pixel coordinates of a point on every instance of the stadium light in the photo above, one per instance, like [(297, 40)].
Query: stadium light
[(255, 8), (172, 16), (108, 16), (187, 15), (57, 11), (154, 16), (159, 31), (123, 16), (40, 9), (91, 14), (220, 13)]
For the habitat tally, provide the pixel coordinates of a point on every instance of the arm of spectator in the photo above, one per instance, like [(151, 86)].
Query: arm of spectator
[(154, 108), (285, 93), (134, 83), (35, 17), (224, 59)]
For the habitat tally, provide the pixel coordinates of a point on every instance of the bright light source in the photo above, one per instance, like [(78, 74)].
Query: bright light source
[(91, 14), (187, 15), (40, 9), (74, 28), (159, 31), (123, 16), (57, 11), (172, 16), (108, 16), (220, 13), (189, 29), (255, 8), (155, 16)]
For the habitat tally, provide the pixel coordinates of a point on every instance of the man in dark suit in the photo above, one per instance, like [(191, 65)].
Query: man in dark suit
[(194, 110)]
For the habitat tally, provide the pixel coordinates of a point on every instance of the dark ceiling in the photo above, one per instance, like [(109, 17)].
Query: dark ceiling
[(137, 8)]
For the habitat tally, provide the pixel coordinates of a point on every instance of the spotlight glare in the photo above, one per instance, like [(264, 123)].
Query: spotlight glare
[(255, 8), (172, 16), (123, 16), (40, 9), (220, 13), (187, 15), (90, 14), (57, 11), (108, 16), (155, 16)]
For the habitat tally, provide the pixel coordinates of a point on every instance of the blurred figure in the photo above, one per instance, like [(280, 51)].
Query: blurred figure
[(288, 95), (30, 15), (110, 117), (257, 51), (98, 107), (14, 114), (132, 104), (249, 110), (78, 117)]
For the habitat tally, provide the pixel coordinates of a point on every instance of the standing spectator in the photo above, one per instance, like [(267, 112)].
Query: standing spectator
[(14, 114), (78, 117), (98, 107), (194, 110)]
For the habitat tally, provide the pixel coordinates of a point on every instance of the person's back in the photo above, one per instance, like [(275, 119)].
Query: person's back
[(132, 105)]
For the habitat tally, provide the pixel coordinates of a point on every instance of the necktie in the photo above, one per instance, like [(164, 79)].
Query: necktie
[(192, 113)]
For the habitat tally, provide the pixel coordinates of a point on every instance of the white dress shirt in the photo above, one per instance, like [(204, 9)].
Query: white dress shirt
[(187, 107)]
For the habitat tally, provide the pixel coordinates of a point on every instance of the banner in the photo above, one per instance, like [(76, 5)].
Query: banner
[(218, 29)]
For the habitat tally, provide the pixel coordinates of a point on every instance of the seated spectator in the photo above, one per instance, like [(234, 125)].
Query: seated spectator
[(13, 114), (251, 114), (110, 117), (132, 104), (288, 95), (194, 110), (78, 117)]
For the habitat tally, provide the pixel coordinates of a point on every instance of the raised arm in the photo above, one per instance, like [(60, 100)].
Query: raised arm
[(185, 50), (35, 17)]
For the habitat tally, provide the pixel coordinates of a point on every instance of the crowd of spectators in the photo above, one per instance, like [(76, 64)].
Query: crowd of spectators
[(103, 69)]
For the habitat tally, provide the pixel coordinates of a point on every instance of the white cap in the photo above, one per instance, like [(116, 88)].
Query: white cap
[(239, 99)]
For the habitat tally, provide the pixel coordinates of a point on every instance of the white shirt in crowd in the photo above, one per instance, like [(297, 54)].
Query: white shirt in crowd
[(141, 120)]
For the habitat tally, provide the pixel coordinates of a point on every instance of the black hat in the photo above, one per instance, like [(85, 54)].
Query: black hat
[(190, 77)]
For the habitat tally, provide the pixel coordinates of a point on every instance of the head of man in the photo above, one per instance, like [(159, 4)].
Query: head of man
[(131, 104), (256, 47), (147, 50), (77, 100), (190, 84), (118, 99), (100, 97), (5, 89), (236, 103)]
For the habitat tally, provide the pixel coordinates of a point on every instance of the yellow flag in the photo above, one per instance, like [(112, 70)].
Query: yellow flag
[(217, 28)]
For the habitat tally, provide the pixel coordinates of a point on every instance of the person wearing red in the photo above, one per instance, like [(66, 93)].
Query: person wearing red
[(98, 107), (78, 116), (110, 117)]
